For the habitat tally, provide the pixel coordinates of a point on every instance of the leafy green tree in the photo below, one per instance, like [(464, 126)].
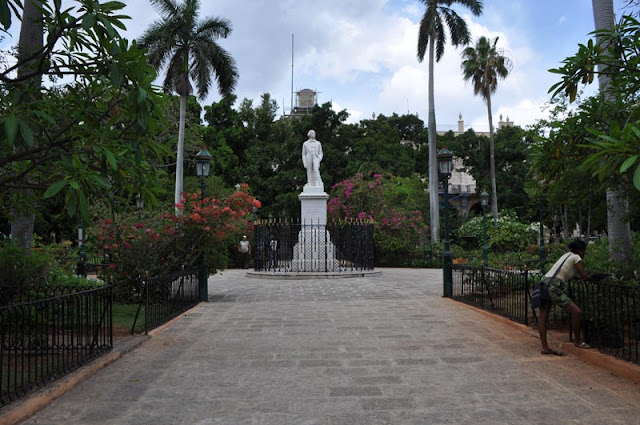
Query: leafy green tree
[(190, 49), (438, 16), (555, 159), (89, 138), (484, 65), (614, 59), (378, 145)]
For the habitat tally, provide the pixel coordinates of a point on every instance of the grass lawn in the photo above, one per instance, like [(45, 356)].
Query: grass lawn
[(123, 317)]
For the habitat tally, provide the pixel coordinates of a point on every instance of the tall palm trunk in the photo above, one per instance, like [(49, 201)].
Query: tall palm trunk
[(492, 165), (31, 39), (434, 205), (180, 153), (618, 226)]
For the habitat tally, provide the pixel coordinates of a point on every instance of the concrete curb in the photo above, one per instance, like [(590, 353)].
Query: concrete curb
[(618, 367), (22, 409)]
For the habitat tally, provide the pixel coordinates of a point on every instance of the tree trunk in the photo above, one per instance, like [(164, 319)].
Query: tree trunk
[(31, 39), (492, 166), (180, 153), (618, 226), (565, 223), (434, 204)]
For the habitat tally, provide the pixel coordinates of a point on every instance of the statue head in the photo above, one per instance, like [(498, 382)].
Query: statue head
[(311, 134)]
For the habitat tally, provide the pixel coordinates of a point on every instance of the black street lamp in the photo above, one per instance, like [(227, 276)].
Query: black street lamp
[(445, 166), (81, 269), (203, 167), (484, 201)]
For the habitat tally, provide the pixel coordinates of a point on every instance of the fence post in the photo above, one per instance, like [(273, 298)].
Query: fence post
[(526, 300), (146, 305), (483, 286)]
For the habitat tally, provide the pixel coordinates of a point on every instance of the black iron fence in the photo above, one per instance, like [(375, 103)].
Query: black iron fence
[(611, 317), (42, 340), (294, 247), (500, 291), (611, 312), (165, 297), (14, 294)]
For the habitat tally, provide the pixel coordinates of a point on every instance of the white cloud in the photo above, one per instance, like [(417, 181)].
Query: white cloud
[(361, 54)]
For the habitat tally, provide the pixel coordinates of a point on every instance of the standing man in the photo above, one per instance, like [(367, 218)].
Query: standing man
[(244, 247), (311, 157)]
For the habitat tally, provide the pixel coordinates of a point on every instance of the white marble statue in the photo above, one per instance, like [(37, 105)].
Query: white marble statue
[(311, 157)]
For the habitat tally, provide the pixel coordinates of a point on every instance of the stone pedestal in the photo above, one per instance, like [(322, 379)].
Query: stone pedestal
[(314, 251), (313, 204)]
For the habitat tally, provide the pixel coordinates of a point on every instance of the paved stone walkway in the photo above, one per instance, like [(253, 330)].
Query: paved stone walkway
[(371, 351)]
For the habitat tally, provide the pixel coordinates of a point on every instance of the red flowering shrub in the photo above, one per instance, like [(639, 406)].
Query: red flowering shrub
[(167, 243), (394, 205)]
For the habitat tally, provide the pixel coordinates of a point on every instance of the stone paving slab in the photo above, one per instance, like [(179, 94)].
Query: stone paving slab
[(382, 349)]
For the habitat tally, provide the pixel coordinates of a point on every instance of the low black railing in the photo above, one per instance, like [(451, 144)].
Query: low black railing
[(13, 294), (165, 297), (611, 312), (611, 317), (281, 246), (40, 341), (500, 291)]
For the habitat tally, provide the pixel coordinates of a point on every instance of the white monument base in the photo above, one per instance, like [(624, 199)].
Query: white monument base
[(314, 251)]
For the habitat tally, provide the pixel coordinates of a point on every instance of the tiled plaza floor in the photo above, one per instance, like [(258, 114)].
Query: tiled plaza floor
[(378, 350)]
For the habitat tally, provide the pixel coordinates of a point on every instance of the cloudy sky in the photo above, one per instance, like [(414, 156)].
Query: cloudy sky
[(361, 54)]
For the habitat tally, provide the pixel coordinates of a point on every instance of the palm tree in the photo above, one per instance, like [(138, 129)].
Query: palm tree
[(438, 15), (618, 226), (484, 64), (189, 49)]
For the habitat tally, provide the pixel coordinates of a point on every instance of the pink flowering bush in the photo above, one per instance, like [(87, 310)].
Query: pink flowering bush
[(393, 204), (167, 243)]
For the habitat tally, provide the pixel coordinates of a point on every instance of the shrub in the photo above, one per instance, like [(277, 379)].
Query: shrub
[(509, 235), (168, 243), (392, 203), (19, 269)]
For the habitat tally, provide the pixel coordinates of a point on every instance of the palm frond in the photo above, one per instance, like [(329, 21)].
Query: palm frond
[(210, 58), (160, 41), (475, 6), (457, 28), (214, 28), (484, 64), (441, 39), (176, 72), (425, 31), (166, 7)]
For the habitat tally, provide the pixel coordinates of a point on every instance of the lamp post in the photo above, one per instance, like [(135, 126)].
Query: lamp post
[(203, 167), (484, 201), (445, 166), (541, 251), (82, 261)]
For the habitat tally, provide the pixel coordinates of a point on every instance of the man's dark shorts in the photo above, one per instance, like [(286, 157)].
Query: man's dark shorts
[(557, 295)]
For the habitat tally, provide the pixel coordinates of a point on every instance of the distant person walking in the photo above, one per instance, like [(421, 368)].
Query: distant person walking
[(244, 248), (566, 268)]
